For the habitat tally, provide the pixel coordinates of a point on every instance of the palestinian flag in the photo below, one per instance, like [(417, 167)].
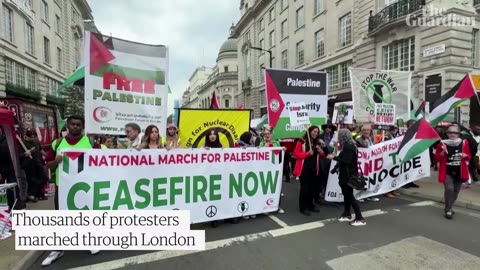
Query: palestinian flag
[(277, 156), (73, 162), (214, 102), (418, 139), (78, 75), (464, 90), (275, 103), (421, 110)]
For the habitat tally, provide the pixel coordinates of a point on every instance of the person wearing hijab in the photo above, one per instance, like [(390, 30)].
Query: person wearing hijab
[(348, 165), (171, 139), (452, 155)]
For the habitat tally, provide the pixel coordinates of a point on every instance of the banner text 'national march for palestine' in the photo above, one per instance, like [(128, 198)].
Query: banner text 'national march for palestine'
[(229, 182)]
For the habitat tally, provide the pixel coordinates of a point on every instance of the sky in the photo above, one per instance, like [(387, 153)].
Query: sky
[(193, 30)]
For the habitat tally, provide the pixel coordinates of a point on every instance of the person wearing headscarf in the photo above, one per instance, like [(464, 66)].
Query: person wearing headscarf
[(348, 166), (171, 139), (308, 154), (452, 155)]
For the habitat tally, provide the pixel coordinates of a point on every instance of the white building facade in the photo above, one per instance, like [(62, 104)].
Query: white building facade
[(221, 79), (41, 44), (331, 36)]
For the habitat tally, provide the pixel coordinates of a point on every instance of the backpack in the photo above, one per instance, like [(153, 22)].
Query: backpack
[(59, 141)]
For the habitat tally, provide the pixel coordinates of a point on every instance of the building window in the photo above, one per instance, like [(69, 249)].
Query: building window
[(319, 43), (332, 77), (261, 25), (271, 38), (262, 44), (400, 55), (300, 18), (271, 15), (29, 39), (8, 71), (57, 24), (319, 6), (345, 30), (46, 50), (263, 98), (283, 29), (31, 78), (262, 70), (300, 53), (44, 11), (345, 74), (225, 68), (283, 4), (76, 39), (475, 48), (19, 74), (285, 59), (227, 103), (75, 16), (59, 60), (7, 21)]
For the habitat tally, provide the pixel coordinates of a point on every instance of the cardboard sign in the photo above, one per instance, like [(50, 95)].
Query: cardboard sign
[(384, 114)]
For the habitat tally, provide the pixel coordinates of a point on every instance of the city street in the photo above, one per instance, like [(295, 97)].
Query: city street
[(401, 233)]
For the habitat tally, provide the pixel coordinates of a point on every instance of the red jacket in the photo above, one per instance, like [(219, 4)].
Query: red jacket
[(442, 159), (300, 154)]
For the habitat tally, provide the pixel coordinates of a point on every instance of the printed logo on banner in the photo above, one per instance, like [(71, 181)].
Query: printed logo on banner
[(102, 114), (73, 162), (269, 201), (211, 211), (274, 105), (394, 183), (242, 207), (376, 189)]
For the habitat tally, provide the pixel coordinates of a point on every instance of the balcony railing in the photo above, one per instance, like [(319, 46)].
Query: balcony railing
[(392, 12)]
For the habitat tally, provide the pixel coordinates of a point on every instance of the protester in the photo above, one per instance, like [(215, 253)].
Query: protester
[(476, 137), (307, 168), (321, 184), (364, 140), (269, 142), (107, 142), (171, 139), (348, 166), (73, 140), (151, 139), (132, 130), (467, 134), (212, 140), (31, 162), (453, 155), (327, 134)]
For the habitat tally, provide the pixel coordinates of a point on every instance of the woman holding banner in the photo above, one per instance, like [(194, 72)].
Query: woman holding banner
[(307, 167), (348, 165), (152, 139), (171, 139)]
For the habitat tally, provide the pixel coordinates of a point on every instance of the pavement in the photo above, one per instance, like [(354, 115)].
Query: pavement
[(407, 232)]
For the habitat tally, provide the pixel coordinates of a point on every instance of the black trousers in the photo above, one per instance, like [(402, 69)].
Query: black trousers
[(349, 201), (307, 189)]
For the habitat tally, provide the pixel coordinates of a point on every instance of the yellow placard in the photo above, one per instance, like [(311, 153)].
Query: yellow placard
[(476, 81), (194, 124)]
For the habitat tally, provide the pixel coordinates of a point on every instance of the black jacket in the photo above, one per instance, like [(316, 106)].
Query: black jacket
[(347, 162)]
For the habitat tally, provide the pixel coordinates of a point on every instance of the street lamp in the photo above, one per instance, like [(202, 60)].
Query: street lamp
[(263, 50)]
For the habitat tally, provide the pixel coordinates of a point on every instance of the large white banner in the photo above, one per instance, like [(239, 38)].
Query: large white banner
[(125, 82), (371, 86), (384, 170), (213, 184)]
